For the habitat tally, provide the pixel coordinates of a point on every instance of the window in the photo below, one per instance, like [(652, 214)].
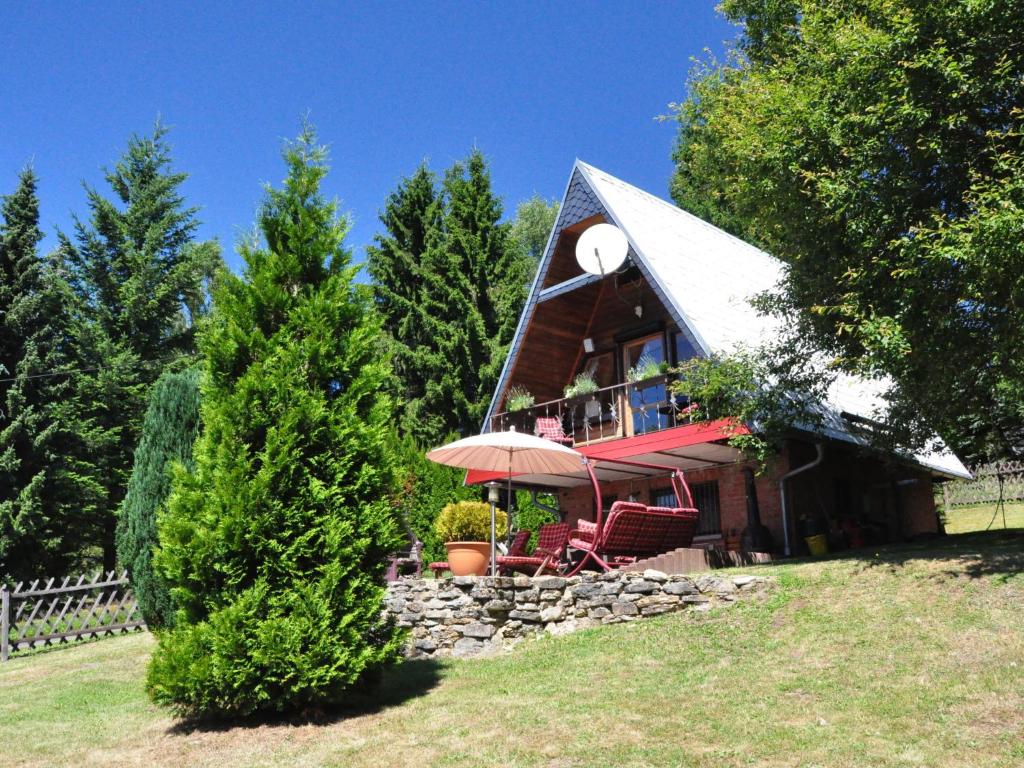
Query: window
[(647, 407), (705, 498), (682, 349)]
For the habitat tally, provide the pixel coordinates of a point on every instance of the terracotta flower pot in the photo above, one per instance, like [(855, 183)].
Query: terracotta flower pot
[(468, 558)]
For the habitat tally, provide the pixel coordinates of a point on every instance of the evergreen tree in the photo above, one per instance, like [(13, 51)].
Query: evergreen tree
[(168, 432), (464, 296), (141, 280), (410, 214), (276, 545), (474, 289), (44, 495)]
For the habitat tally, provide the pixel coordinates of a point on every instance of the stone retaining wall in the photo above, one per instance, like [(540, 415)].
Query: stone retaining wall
[(471, 616)]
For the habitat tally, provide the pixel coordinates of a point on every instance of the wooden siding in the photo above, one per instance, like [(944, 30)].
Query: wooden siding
[(552, 347)]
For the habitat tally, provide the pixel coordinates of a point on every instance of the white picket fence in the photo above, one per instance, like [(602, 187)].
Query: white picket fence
[(41, 613), (985, 487)]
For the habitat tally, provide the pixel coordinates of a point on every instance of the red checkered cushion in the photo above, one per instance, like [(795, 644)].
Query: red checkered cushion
[(552, 537), (584, 535), (550, 428), (518, 545), (551, 541), (635, 533)]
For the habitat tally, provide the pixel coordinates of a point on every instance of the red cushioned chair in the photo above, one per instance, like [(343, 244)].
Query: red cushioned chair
[(516, 548), (550, 428), (551, 542), (633, 531)]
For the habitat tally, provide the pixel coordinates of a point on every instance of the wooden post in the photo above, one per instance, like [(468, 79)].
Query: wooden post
[(5, 622)]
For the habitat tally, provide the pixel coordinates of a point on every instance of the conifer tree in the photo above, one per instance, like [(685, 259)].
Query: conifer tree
[(275, 545), (470, 285), (168, 432), (45, 497), (410, 215), (141, 280), (474, 288)]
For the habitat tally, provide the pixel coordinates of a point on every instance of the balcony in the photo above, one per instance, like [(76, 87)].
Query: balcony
[(621, 410)]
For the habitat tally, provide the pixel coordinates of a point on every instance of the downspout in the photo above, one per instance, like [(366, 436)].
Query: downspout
[(820, 448)]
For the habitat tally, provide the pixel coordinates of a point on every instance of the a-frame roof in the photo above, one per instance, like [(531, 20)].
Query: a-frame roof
[(706, 279)]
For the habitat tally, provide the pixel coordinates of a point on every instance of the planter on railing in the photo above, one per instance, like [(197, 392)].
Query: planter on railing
[(630, 408)]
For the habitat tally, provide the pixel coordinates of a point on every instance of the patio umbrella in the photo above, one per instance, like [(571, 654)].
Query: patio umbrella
[(512, 452)]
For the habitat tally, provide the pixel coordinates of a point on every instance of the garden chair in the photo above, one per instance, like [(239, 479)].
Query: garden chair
[(404, 562), (550, 428), (409, 560), (552, 539), (633, 531), (516, 548)]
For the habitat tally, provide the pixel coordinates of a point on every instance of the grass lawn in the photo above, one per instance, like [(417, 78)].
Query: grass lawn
[(981, 516), (905, 656)]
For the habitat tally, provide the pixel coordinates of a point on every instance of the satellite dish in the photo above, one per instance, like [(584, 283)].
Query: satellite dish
[(601, 249)]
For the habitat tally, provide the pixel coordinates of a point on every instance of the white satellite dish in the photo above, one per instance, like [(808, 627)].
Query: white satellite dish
[(601, 249)]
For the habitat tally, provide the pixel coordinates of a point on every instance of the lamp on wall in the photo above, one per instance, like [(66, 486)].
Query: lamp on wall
[(588, 346)]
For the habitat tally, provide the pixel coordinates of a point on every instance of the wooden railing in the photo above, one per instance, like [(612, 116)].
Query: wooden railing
[(621, 410), (40, 614)]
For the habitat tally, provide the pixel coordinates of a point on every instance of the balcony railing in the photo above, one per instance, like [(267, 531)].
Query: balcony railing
[(621, 410)]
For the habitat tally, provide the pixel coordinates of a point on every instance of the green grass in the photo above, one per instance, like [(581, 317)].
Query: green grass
[(903, 656), (982, 516)]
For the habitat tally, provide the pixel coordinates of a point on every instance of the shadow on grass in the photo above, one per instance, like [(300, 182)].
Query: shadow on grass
[(998, 553), (408, 680)]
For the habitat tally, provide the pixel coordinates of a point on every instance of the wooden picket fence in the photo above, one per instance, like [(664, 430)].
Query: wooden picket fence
[(985, 487), (38, 614)]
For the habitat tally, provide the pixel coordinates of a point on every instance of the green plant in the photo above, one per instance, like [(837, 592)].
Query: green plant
[(168, 432), (766, 392), (583, 384), (529, 516), (519, 399), (470, 521), (646, 368), (424, 488), (275, 546)]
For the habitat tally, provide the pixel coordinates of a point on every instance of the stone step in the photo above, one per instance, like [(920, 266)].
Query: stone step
[(695, 560)]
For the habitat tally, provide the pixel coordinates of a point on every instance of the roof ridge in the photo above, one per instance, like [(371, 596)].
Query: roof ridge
[(587, 167)]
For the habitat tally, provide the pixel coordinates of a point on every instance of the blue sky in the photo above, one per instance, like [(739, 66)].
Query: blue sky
[(534, 85)]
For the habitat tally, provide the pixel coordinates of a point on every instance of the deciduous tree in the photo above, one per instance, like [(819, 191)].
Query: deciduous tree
[(876, 148)]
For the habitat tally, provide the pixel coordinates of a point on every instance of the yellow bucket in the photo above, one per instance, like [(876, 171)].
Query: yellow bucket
[(817, 544)]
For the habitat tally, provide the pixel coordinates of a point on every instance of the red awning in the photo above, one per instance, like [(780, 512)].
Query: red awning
[(690, 446)]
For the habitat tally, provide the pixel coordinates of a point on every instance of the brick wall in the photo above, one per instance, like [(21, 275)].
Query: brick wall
[(577, 503), (898, 499)]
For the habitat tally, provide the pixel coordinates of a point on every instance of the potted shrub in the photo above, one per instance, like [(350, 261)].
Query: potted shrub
[(465, 528)]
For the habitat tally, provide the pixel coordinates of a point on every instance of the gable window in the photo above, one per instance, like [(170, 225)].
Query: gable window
[(705, 498), (646, 406), (682, 349)]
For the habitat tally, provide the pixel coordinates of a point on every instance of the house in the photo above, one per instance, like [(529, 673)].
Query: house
[(684, 291)]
